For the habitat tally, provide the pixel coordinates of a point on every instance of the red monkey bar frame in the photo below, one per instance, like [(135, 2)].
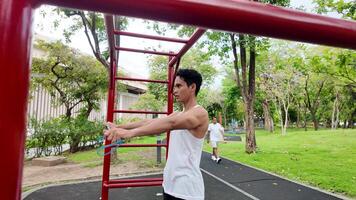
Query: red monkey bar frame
[(234, 15), (106, 182)]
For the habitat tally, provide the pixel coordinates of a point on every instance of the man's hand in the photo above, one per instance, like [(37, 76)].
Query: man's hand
[(111, 125), (114, 133)]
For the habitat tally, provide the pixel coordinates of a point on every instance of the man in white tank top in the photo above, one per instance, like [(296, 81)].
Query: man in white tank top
[(182, 178)]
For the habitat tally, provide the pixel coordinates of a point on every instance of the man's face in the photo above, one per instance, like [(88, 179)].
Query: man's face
[(181, 90), (214, 120)]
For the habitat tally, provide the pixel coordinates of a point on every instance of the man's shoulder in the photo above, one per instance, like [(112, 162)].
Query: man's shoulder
[(199, 110)]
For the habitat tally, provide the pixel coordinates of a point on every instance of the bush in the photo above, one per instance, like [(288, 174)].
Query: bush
[(47, 137), (83, 132)]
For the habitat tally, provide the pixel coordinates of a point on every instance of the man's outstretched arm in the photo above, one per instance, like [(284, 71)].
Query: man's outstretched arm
[(187, 120), (131, 125)]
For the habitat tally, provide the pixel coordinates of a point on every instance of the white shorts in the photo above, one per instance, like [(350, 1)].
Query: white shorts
[(214, 143)]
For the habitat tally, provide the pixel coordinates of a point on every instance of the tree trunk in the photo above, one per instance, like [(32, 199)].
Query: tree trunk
[(280, 115), (313, 105), (285, 120), (268, 121), (247, 85), (250, 146), (90, 108), (250, 91), (298, 115), (68, 113), (305, 119), (351, 120), (74, 147), (315, 120), (335, 113), (224, 115), (345, 124)]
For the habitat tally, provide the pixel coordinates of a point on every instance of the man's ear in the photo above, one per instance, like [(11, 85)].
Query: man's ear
[(193, 86)]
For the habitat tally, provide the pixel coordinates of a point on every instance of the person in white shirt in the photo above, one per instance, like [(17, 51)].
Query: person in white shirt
[(216, 132), (182, 178)]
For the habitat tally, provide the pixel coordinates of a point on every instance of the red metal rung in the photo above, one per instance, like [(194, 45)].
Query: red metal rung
[(145, 51), (142, 145), (139, 112), (140, 180), (142, 80), (138, 35), (141, 184)]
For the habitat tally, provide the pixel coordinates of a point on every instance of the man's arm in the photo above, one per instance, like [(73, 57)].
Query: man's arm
[(186, 120), (131, 125), (221, 130)]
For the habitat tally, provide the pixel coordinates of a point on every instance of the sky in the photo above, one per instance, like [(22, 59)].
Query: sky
[(135, 63)]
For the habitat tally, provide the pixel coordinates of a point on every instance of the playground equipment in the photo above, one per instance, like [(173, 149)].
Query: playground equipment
[(174, 58), (225, 15)]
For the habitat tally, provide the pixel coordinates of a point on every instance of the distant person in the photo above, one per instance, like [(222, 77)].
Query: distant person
[(216, 133), (182, 178)]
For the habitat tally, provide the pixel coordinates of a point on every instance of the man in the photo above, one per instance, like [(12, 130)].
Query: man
[(182, 178), (216, 132)]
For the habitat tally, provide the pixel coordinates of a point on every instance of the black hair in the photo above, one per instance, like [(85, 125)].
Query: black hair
[(191, 76)]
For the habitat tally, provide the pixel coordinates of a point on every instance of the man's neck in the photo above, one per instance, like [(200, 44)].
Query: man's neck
[(189, 104)]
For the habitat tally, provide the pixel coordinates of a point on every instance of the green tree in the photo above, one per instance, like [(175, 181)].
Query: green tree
[(148, 102), (93, 25), (244, 63), (342, 72), (347, 8), (194, 59), (281, 79), (70, 76), (232, 97), (226, 44)]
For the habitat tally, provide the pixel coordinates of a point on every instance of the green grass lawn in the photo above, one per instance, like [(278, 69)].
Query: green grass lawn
[(325, 159)]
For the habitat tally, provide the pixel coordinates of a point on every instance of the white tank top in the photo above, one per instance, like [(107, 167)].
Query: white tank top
[(182, 177)]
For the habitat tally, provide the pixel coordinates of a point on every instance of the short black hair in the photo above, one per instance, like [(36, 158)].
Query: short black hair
[(191, 76)]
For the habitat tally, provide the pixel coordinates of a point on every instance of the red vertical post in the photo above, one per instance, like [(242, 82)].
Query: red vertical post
[(109, 118), (169, 98), (109, 23), (15, 39)]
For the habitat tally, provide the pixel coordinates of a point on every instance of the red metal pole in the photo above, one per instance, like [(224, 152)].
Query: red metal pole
[(15, 46), (170, 99), (192, 40), (233, 16), (109, 118), (111, 98)]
